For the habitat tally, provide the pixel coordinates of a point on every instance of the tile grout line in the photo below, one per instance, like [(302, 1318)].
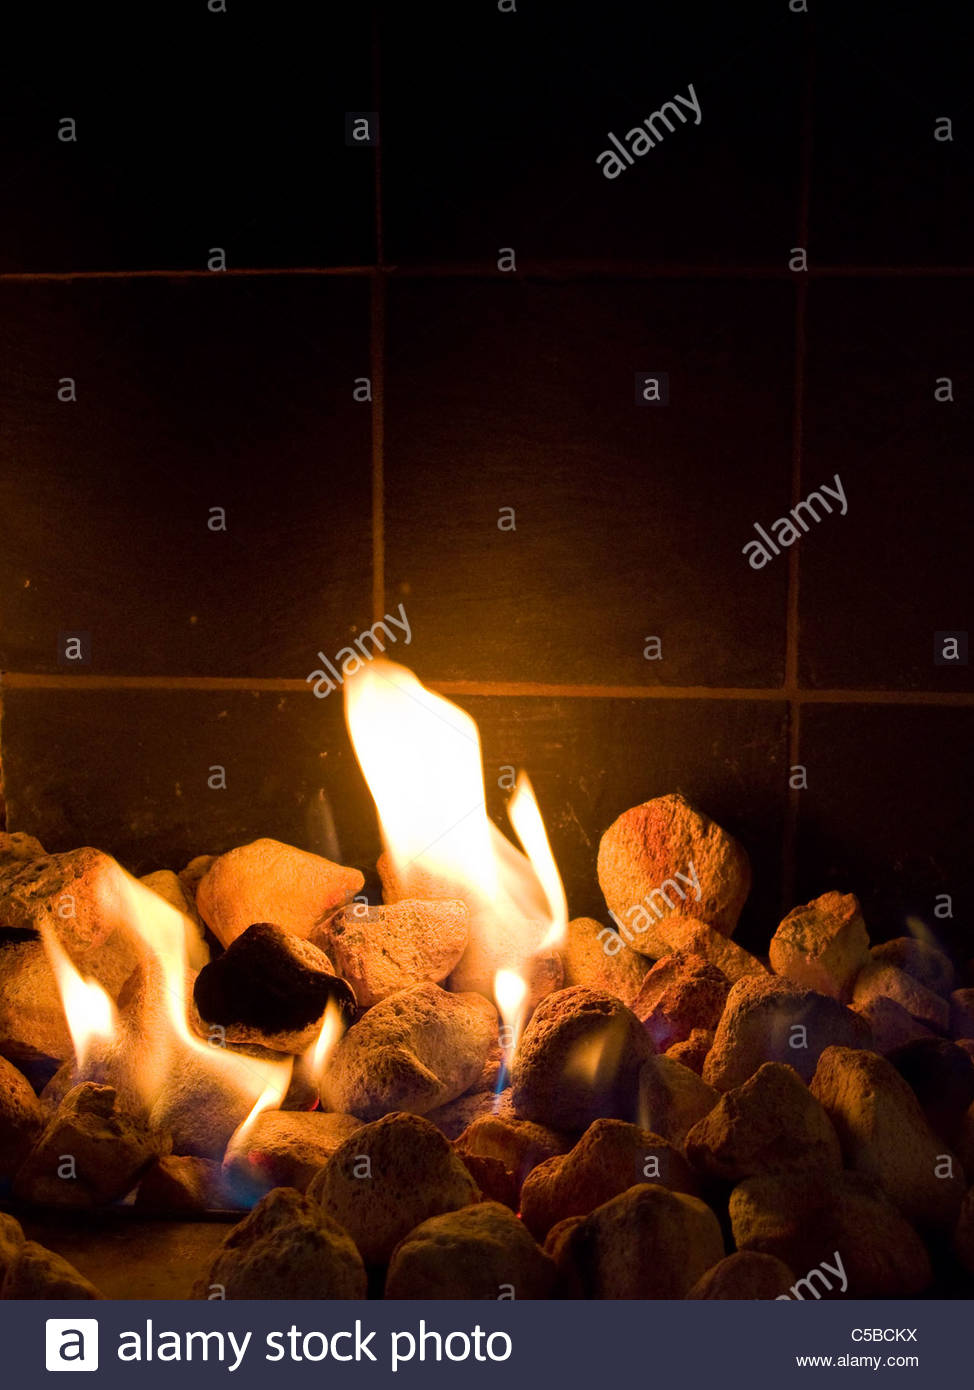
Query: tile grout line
[(789, 837), (542, 270), (26, 680), (377, 354), (475, 270)]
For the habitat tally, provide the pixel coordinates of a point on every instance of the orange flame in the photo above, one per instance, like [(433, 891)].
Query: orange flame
[(90, 1014), (421, 756), (332, 1028), (153, 1043)]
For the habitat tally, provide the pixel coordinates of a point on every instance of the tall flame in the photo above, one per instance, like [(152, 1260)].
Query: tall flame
[(421, 757)]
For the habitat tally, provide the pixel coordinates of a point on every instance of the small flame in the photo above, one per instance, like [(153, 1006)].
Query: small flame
[(525, 816), (421, 757), (510, 992), (332, 1028), (90, 1013), (269, 1099)]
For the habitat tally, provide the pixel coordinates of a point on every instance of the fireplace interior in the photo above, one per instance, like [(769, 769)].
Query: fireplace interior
[(368, 439)]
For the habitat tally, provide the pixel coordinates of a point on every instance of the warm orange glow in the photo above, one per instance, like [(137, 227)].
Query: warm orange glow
[(510, 991), (422, 760), (525, 816), (269, 1099), (90, 1014), (153, 1043), (421, 757), (332, 1028)]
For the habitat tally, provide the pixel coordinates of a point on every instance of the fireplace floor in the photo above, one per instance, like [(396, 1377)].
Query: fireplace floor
[(130, 1256)]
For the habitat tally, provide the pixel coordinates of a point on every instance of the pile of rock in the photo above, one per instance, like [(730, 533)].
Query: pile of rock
[(682, 1119)]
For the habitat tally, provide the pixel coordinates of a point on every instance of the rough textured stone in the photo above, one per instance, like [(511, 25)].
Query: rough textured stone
[(496, 1183), (268, 881), (286, 1248), (110, 1150), (762, 1020), (22, 1117), (880, 980), (191, 876), (596, 957), (18, 848), (180, 1183), (804, 1218), (822, 945), (890, 1024), (964, 1142), (415, 1051), (454, 1117), (11, 1240), (921, 959), (967, 1044), (270, 987), (578, 1060), (693, 1052), (40, 1274), (673, 1098), (962, 1013), (487, 952), (285, 1148), (478, 1252), (770, 1124), (520, 1145), (642, 852), (646, 1243), (964, 1233), (700, 939), (80, 896), (387, 1178), (747, 1274), (610, 1157), (380, 950), (941, 1075), (681, 993), (32, 1022), (885, 1135), (171, 889)]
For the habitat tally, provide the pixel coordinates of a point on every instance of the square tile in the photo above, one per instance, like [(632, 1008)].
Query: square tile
[(541, 526), (494, 123), (891, 181), (888, 815), (888, 406), (178, 399), (217, 130)]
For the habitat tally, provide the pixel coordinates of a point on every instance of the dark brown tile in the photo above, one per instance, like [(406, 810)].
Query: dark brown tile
[(879, 582), (493, 124), (190, 395), (888, 815), (888, 186), (630, 521), (220, 130), (129, 771)]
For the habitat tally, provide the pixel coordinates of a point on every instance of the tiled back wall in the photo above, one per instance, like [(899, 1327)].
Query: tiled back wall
[(537, 525)]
